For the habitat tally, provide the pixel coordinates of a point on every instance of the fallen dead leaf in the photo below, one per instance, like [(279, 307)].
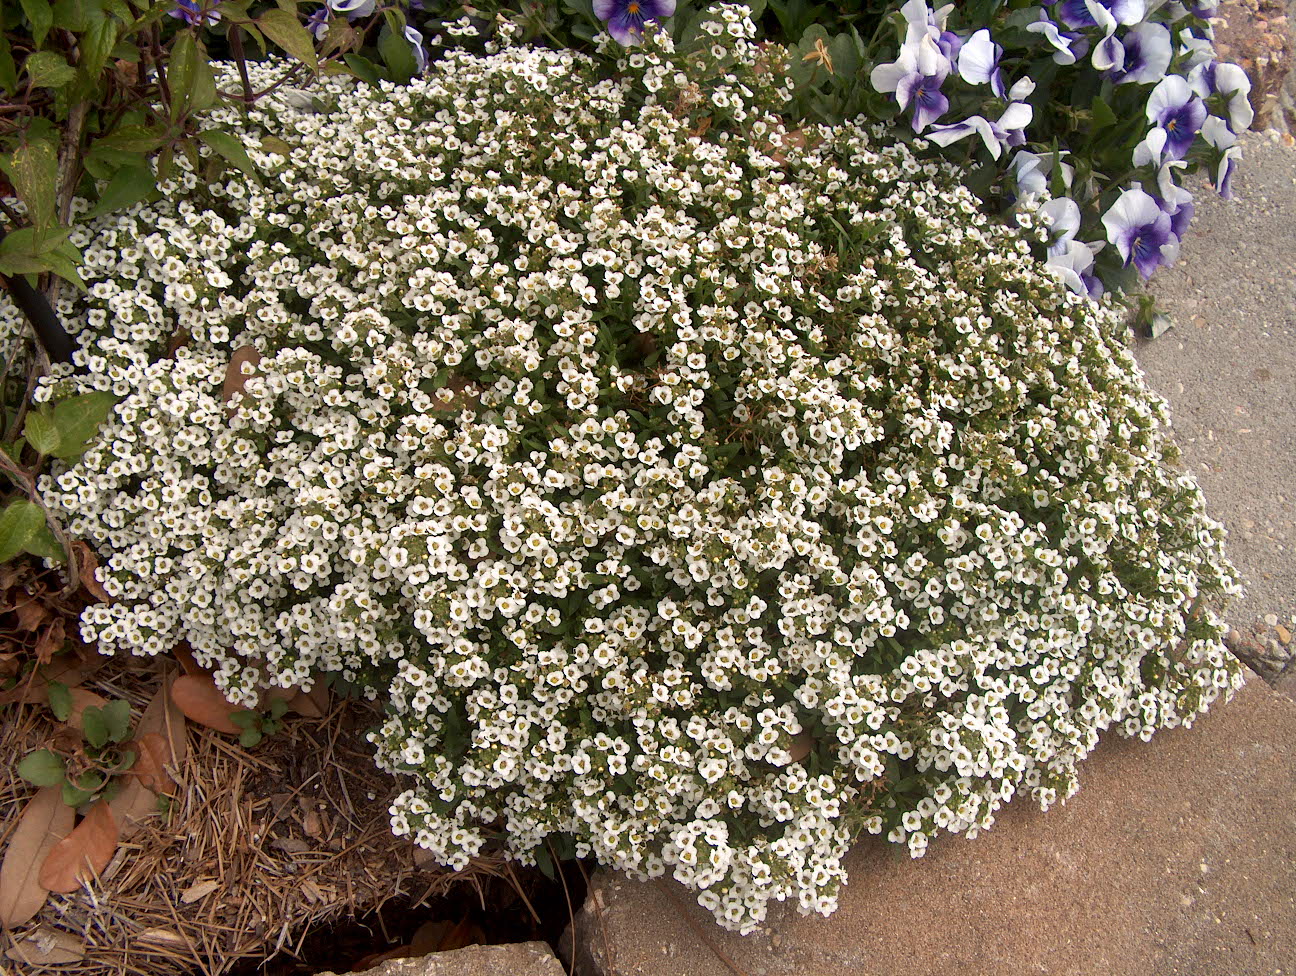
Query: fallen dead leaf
[(83, 853), (133, 803), (200, 700), (164, 936), (45, 946), (31, 615), (82, 699), (152, 757), (196, 892), (235, 376), (88, 562), (45, 821), (184, 654), (51, 640)]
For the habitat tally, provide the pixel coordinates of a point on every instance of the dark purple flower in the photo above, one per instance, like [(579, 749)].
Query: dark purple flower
[(625, 19), (949, 44), (1141, 231), (1077, 13), (1175, 108), (191, 11), (317, 23), (923, 92)]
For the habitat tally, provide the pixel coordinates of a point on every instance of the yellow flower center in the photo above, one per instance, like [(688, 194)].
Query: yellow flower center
[(633, 8)]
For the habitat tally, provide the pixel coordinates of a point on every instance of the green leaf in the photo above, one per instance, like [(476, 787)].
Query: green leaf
[(65, 267), (116, 716), (95, 727), (364, 69), (229, 148), (544, 862), (60, 700), (128, 186), (74, 797), (8, 70), (182, 71), (96, 44), (78, 419), (286, 30), (19, 523), (41, 15), (397, 55), (48, 70), (42, 432), (133, 138), (1103, 116), (43, 544), (244, 719), (42, 768), (249, 738), (33, 168)]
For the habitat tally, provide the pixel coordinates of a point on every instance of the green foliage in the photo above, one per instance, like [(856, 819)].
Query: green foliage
[(85, 771), (23, 528), (257, 725)]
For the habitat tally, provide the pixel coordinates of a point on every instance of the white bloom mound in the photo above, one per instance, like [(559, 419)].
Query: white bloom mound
[(700, 495)]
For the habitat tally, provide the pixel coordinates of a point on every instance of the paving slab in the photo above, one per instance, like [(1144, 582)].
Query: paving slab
[(515, 959), (1176, 858), (1228, 369)]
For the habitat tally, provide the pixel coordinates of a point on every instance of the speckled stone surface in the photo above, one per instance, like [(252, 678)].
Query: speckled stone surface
[(1176, 858)]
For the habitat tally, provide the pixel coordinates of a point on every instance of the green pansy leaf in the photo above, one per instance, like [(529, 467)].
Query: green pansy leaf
[(397, 55), (182, 70), (229, 148), (43, 544), (8, 70), (42, 768), (73, 797), (133, 138), (1103, 116), (288, 32), (364, 69)]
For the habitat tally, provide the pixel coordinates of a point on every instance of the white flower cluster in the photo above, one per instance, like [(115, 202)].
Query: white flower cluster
[(702, 493)]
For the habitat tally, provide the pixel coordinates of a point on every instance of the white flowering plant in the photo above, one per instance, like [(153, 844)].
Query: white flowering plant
[(697, 495)]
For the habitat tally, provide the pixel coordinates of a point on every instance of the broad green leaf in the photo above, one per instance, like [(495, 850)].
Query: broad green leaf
[(397, 55), (229, 148), (133, 138), (78, 418), (95, 727), (128, 186), (71, 15), (66, 267), (203, 95), (19, 523), (1103, 116), (8, 70), (60, 700), (182, 70), (43, 544), (288, 32), (42, 768), (41, 15), (116, 715), (364, 69), (74, 797), (42, 432), (249, 738), (48, 70), (33, 169), (96, 44)]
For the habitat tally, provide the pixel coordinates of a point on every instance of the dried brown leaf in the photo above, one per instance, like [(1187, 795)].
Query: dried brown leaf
[(45, 821), (152, 757), (235, 376), (184, 654), (51, 640), (162, 717), (31, 615), (132, 804), (200, 700), (198, 891), (45, 946), (88, 562), (81, 700), (82, 854)]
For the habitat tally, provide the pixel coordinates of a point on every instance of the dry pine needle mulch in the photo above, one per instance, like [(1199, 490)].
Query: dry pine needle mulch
[(258, 846)]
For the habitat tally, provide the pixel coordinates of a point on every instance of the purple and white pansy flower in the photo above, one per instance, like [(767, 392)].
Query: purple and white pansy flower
[(1220, 137), (978, 62), (420, 52), (1007, 130), (1220, 78), (1089, 13), (352, 9), (1141, 231), (1063, 53), (1177, 110), (1146, 54), (1063, 216), (625, 19), (916, 77), (1073, 265), (194, 12)]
